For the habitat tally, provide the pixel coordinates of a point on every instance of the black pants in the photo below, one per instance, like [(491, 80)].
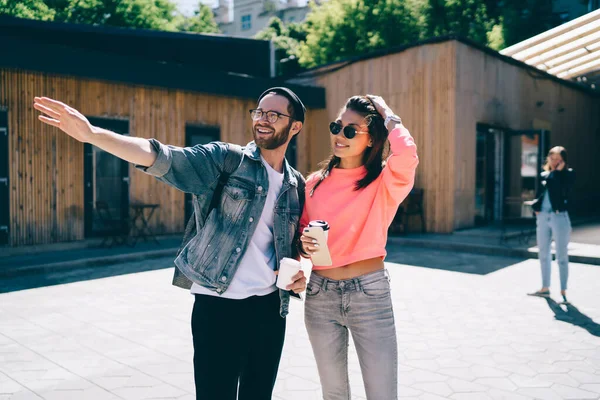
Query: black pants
[(236, 341)]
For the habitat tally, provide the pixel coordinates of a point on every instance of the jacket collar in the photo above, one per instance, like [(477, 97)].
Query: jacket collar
[(253, 152)]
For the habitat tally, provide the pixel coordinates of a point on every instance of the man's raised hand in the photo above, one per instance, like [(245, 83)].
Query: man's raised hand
[(66, 118)]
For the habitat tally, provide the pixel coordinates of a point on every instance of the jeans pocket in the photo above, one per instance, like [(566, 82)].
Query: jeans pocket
[(312, 289), (379, 289)]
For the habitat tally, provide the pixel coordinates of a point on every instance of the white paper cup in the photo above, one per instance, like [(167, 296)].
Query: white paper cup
[(288, 267)]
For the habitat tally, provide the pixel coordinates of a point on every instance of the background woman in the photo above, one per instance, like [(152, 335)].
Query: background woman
[(552, 216)]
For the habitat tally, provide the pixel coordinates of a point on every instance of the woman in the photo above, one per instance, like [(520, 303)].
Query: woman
[(551, 209), (357, 192)]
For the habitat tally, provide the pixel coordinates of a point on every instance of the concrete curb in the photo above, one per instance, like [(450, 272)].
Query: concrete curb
[(86, 262), (482, 249)]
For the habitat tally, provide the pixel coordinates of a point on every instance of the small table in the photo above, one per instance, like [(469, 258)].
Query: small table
[(142, 230)]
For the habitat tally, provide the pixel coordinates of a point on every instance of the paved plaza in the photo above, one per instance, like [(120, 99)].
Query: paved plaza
[(466, 331)]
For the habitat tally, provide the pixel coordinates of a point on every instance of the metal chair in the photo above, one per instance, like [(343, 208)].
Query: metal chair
[(411, 206), (116, 229)]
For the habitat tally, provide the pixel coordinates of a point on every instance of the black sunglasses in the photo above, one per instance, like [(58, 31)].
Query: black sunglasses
[(349, 131)]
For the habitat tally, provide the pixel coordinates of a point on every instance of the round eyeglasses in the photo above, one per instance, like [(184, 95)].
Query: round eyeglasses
[(272, 116)]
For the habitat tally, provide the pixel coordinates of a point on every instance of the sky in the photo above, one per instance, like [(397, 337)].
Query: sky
[(187, 6)]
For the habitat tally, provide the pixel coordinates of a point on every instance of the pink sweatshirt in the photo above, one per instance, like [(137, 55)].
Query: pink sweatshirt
[(359, 220)]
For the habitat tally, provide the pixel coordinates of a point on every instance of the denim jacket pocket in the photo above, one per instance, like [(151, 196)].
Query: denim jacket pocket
[(235, 201)]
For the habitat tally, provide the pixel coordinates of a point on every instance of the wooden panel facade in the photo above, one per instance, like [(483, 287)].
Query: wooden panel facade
[(46, 166), (418, 84), (442, 91), (492, 91)]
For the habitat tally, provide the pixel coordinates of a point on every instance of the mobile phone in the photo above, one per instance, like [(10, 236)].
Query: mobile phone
[(321, 258)]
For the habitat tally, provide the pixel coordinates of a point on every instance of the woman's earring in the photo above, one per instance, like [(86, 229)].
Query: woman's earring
[(371, 143)]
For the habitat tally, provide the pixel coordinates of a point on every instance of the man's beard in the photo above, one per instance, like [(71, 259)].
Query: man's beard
[(274, 141)]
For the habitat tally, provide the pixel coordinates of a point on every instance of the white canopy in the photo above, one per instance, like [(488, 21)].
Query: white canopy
[(568, 51)]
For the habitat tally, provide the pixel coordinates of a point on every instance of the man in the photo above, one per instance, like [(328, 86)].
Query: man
[(237, 321)]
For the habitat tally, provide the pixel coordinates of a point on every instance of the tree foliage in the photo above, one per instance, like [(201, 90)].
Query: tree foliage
[(286, 39), (147, 14), (468, 18), (202, 21), (30, 9), (338, 29)]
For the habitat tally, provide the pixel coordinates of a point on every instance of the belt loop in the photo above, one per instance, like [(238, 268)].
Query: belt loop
[(358, 285), (387, 274), (324, 284)]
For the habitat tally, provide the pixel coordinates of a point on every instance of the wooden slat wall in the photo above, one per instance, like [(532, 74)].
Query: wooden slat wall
[(489, 90), (46, 166), (419, 86)]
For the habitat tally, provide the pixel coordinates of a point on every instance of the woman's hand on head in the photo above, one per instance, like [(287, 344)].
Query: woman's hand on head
[(382, 108)]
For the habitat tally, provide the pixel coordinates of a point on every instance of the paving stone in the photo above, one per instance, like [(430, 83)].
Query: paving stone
[(460, 336), (498, 394), (585, 377), (471, 396), (540, 393), (570, 393), (144, 393), (498, 383), (439, 388), (591, 387)]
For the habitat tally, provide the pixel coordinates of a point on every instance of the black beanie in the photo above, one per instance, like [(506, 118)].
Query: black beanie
[(297, 105)]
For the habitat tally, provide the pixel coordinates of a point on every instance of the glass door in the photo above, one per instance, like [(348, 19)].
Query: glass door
[(507, 167), (488, 173), (523, 164), (4, 192), (106, 185), (195, 135)]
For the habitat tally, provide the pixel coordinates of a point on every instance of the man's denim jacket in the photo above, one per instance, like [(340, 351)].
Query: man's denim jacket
[(212, 257)]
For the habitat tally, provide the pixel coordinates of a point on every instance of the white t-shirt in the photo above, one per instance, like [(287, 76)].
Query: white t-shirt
[(255, 275)]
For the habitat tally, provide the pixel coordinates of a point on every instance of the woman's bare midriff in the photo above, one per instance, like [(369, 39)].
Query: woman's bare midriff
[(353, 270)]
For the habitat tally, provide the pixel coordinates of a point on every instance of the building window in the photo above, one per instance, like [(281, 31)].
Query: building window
[(246, 22), (291, 19)]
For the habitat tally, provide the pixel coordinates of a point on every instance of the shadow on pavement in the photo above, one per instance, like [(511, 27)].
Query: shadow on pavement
[(448, 260), (573, 316), (81, 274)]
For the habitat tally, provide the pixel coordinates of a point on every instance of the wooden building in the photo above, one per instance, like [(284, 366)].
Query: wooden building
[(483, 124), (182, 89)]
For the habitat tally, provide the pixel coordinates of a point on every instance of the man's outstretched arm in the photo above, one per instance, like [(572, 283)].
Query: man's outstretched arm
[(135, 150)]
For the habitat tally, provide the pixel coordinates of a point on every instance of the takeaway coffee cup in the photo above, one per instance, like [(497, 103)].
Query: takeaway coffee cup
[(288, 267), (320, 224)]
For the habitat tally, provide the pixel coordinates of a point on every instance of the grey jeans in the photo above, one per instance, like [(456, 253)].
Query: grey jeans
[(363, 307), (555, 226)]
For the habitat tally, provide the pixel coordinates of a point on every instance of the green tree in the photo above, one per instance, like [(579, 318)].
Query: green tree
[(286, 39), (522, 19), (468, 18), (146, 14), (495, 38), (30, 9), (338, 29), (203, 21)]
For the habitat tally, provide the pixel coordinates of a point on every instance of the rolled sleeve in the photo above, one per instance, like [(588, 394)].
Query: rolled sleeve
[(190, 169), (163, 161)]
